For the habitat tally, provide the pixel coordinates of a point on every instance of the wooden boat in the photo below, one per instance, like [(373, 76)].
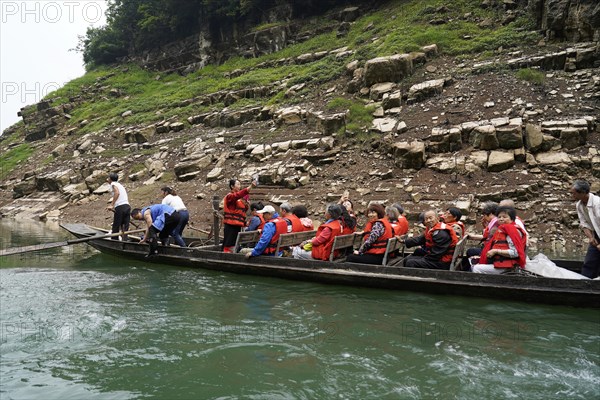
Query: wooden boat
[(580, 293)]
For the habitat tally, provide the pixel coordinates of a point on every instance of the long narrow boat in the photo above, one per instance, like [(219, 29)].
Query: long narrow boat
[(580, 293)]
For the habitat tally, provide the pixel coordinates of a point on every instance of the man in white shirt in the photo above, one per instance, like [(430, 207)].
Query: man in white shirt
[(171, 198), (588, 210), (119, 205)]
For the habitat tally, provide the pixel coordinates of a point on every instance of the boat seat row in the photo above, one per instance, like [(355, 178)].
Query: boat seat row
[(343, 242), (350, 241), (250, 238)]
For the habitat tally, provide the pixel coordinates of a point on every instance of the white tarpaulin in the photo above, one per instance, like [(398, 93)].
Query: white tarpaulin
[(542, 265)]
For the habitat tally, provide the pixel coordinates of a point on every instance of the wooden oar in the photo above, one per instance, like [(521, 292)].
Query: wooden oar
[(43, 246)]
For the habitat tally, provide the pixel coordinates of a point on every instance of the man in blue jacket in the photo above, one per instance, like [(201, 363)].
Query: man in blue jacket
[(160, 219), (274, 227)]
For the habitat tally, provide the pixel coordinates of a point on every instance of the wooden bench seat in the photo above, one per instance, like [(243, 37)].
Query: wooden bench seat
[(293, 239), (458, 253), (393, 245), (343, 242), (246, 239)]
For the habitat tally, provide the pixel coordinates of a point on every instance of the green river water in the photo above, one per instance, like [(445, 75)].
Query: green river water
[(76, 324)]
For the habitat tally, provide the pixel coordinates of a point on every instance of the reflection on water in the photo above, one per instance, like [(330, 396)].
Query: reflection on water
[(79, 324)]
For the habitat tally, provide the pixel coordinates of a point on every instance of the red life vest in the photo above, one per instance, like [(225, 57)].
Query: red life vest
[(262, 221), (323, 251), (295, 223), (381, 243), (402, 225), (447, 257), (462, 227), (499, 242), (235, 215), (488, 232), (281, 227)]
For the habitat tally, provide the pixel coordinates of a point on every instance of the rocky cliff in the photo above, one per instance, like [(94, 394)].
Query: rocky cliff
[(446, 129)]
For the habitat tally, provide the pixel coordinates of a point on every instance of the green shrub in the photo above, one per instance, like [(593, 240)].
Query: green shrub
[(531, 75)]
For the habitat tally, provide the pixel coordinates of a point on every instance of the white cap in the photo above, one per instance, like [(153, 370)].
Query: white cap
[(267, 209)]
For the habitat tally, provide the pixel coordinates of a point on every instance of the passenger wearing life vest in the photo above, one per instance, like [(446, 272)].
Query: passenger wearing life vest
[(402, 222), (452, 217), (234, 213), (392, 214), (518, 220), (319, 247), (274, 227), (294, 223), (375, 237), (489, 222), (439, 240), (301, 212), (256, 221), (506, 249)]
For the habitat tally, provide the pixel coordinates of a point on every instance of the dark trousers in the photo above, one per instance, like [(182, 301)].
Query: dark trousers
[(121, 219), (154, 234), (591, 265), (421, 262), (184, 217), (366, 258), (230, 233), (466, 261)]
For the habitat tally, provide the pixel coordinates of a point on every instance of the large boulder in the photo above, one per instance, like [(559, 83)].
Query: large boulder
[(533, 137), (509, 136), (500, 161), (387, 69), (409, 154), (484, 138), (190, 169), (425, 89)]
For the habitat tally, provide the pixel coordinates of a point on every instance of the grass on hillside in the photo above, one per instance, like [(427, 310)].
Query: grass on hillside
[(402, 26), (531, 75), (13, 158)]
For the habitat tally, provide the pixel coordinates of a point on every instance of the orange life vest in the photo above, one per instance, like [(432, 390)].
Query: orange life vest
[(381, 243), (499, 242), (400, 226), (295, 223), (447, 257), (323, 251), (235, 215), (459, 223), (281, 227)]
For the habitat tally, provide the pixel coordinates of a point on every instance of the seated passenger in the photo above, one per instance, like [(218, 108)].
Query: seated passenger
[(376, 234), (256, 221), (294, 223), (392, 214), (506, 249), (489, 222), (301, 212), (518, 220), (275, 226), (402, 222), (439, 240), (319, 247), (348, 222), (452, 217)]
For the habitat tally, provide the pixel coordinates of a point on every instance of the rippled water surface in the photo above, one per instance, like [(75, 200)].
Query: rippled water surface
[(78, 324)]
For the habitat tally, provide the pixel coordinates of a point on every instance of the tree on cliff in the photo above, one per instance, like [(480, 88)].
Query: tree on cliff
[(136, 25)]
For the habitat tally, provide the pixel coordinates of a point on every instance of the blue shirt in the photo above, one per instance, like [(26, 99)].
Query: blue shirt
[(157, 212), (265, 238), (254, 223)]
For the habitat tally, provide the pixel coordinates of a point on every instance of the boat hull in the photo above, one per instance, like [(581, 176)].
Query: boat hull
[(579, 293)]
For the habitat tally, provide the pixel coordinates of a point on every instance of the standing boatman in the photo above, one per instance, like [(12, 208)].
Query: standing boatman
[(588, 210), (119, 205)]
